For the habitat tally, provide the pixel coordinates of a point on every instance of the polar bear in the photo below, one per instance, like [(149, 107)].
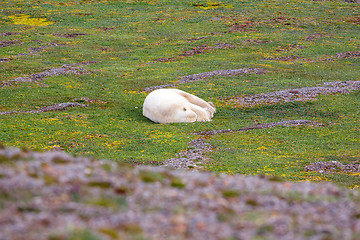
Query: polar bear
[(174, 106)]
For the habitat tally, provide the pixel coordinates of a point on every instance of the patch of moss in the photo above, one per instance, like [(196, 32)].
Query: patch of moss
[(275, 178), (177, 182), (106, 167), (28, 209), (117, 202), (231, 193), (122, 190), (132, 228), (49, 180), (59, 160), (83, 234), (149, 176), (100, 184), (4, 159), (263, 229), (112, 233), (252, 202)]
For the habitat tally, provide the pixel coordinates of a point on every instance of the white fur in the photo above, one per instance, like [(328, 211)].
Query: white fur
[(173, 105)]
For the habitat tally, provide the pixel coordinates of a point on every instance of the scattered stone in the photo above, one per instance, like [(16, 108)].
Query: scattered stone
[(171, 59), (352, 1), (70, 35), (231, 72), (89, 100), (83, 14), (109, 28), (195, 51), (192, 158), (150, 89), (241, 27), (53, 195), (315, 36), (342, 55), (259, 126), (333, 167), (347, 55), (257, 41), (9, 43), (196, 39), (9, 33), (283, 59), (52, 72), (55, 107), (205, 75), (299, 94), (32, 51), (65, 69)]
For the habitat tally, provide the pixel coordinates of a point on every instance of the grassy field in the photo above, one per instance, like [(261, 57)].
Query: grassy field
[(116, 49)]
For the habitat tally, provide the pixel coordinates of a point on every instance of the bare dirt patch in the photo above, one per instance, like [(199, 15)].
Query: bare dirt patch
[(289, 47), (283, 21), (257, 41), (316, 36), (241, 27), (299, 94), (354, 19), (195, 51)]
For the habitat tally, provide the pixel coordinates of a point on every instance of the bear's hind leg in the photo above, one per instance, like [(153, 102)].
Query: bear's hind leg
[(203, 115)]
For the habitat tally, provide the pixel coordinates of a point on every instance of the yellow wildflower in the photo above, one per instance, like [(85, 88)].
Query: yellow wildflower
[(25, 19)]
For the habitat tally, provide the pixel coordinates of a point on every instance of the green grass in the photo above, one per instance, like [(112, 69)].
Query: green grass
[(124, 37)]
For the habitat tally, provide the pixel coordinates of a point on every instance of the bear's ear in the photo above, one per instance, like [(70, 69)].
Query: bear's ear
[(211, 104)]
